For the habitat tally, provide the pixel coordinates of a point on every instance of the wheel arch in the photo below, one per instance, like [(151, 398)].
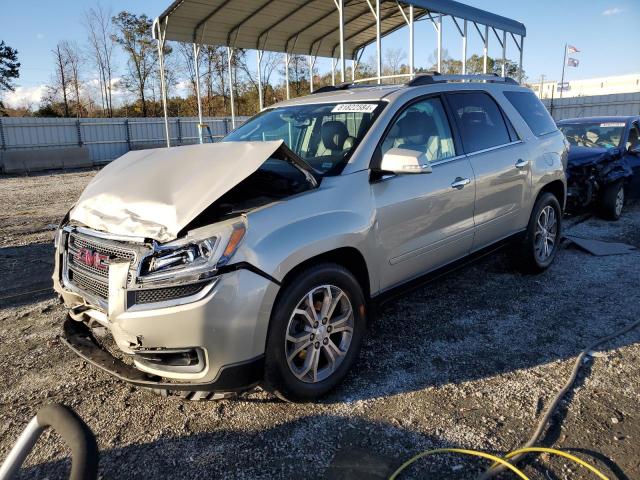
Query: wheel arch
[(557, 189), (348, 257)]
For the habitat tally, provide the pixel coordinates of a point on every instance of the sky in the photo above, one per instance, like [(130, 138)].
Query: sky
[(605, 32)]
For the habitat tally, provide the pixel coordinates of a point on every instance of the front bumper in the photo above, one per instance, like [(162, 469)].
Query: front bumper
[(230, 378)]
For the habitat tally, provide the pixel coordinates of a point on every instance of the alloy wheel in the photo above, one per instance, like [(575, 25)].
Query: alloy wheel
[(546, 233), (319, 333)]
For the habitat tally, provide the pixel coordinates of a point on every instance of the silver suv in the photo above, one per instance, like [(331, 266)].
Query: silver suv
[(259, 259)]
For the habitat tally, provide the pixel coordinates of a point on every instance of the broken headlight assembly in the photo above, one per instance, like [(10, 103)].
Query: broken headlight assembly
[(193, 258)]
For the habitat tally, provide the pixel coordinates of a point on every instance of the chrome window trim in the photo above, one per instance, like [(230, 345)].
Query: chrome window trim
[(446, 160), (490, 149)]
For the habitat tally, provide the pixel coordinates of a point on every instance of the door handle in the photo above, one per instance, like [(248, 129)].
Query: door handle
[(460, 182), (521, 163)]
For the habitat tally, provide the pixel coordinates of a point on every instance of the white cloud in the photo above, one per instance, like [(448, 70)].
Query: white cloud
[(612, 11), (24, 96)]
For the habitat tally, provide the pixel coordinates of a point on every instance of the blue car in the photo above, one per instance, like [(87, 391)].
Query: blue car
[(604, 163)]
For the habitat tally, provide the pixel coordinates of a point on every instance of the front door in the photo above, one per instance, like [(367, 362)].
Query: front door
[(423, 221)]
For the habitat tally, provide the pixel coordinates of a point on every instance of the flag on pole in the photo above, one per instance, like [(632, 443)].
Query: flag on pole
[(572, 49), (572, 62)]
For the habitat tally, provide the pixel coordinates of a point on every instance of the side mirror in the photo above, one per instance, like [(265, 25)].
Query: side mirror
[(403, 160)]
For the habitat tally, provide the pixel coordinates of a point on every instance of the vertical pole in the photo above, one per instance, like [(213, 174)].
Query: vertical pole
[(196, 59), (464, 48), (260, 99), (179, 130), (520, 72), (311, 64), (504, 53), (485, 50), (439, 28), (341, 20), (411, 41), (163, 84), (564, 63), (353, 69), (286, 74), (233, 110), (79, 131), (378, 42)]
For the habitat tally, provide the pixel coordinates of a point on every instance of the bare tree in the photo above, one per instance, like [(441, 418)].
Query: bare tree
[(60, 78), (393, 58), (101, 45), (73, 59), (270, 63)]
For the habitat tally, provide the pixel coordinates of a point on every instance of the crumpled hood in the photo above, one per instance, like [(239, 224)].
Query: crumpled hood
[(582, 156), (156, 193)]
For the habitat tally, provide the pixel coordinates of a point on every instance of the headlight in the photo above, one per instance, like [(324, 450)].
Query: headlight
[(195, 257)]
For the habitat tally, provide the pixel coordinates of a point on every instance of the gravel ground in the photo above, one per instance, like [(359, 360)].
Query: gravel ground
[(469, 361)]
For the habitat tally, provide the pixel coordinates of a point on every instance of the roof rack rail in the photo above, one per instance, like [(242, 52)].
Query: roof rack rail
[(340, 86), (431, 78)]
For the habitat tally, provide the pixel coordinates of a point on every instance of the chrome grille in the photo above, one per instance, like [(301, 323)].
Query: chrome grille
[(88, 278)]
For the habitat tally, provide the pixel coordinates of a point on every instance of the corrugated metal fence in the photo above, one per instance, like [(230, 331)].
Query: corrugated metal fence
[(614, 104), (105, 138)]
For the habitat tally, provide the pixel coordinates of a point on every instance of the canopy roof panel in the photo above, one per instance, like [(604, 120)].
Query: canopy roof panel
[(307, 27)]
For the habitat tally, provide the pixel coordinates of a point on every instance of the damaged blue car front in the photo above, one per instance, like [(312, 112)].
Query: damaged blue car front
[(604, 163)]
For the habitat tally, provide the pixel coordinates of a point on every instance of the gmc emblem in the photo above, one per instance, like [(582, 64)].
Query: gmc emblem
[(92, 259)]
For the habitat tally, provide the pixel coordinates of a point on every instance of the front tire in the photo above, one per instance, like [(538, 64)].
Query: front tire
[(316, 332), (540, 243), (613, 201)]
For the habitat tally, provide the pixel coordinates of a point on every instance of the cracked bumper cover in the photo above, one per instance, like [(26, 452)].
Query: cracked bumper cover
[(231, 378)]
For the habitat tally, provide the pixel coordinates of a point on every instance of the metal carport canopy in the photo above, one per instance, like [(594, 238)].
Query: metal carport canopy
[(306, 27)]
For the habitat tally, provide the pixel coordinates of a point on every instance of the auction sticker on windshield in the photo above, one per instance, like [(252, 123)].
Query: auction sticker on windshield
[(354, 108), (612, 124)]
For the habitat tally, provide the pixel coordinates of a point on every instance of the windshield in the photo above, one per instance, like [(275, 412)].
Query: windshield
[(323, 135), (596, 134)]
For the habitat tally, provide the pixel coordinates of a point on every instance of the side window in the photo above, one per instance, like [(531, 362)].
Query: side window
[(480, 120), (424, 127), (634, 137), (532, 111)]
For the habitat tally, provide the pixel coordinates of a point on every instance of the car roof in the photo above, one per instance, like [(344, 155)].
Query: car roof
[(611, 118)]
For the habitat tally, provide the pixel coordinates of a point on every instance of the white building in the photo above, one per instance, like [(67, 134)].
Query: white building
[(588, 87)]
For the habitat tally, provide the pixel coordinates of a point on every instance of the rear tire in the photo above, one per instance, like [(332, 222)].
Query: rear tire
[(315, 335), (613, 200), (539, 246)]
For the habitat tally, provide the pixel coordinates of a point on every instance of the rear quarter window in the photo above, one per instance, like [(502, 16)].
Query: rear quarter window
[(532, 111)]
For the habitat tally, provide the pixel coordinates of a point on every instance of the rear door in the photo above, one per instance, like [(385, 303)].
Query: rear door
[(423, 220), (500, 161), (633, 141)]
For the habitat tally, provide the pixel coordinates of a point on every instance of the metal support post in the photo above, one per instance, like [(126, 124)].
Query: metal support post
[(127, 130), (334, 63), (485, 50), (439, 27), (160, 37), (340, 6), (196, 59), (287, 59), (464, 49), (520, 72), (504, 53), (259, 54), (230, 52), (378, 43), (312, 64), (411, 41)]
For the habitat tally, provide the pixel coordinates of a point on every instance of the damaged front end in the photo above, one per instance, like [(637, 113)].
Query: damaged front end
[(590, 171), (156, 267)]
